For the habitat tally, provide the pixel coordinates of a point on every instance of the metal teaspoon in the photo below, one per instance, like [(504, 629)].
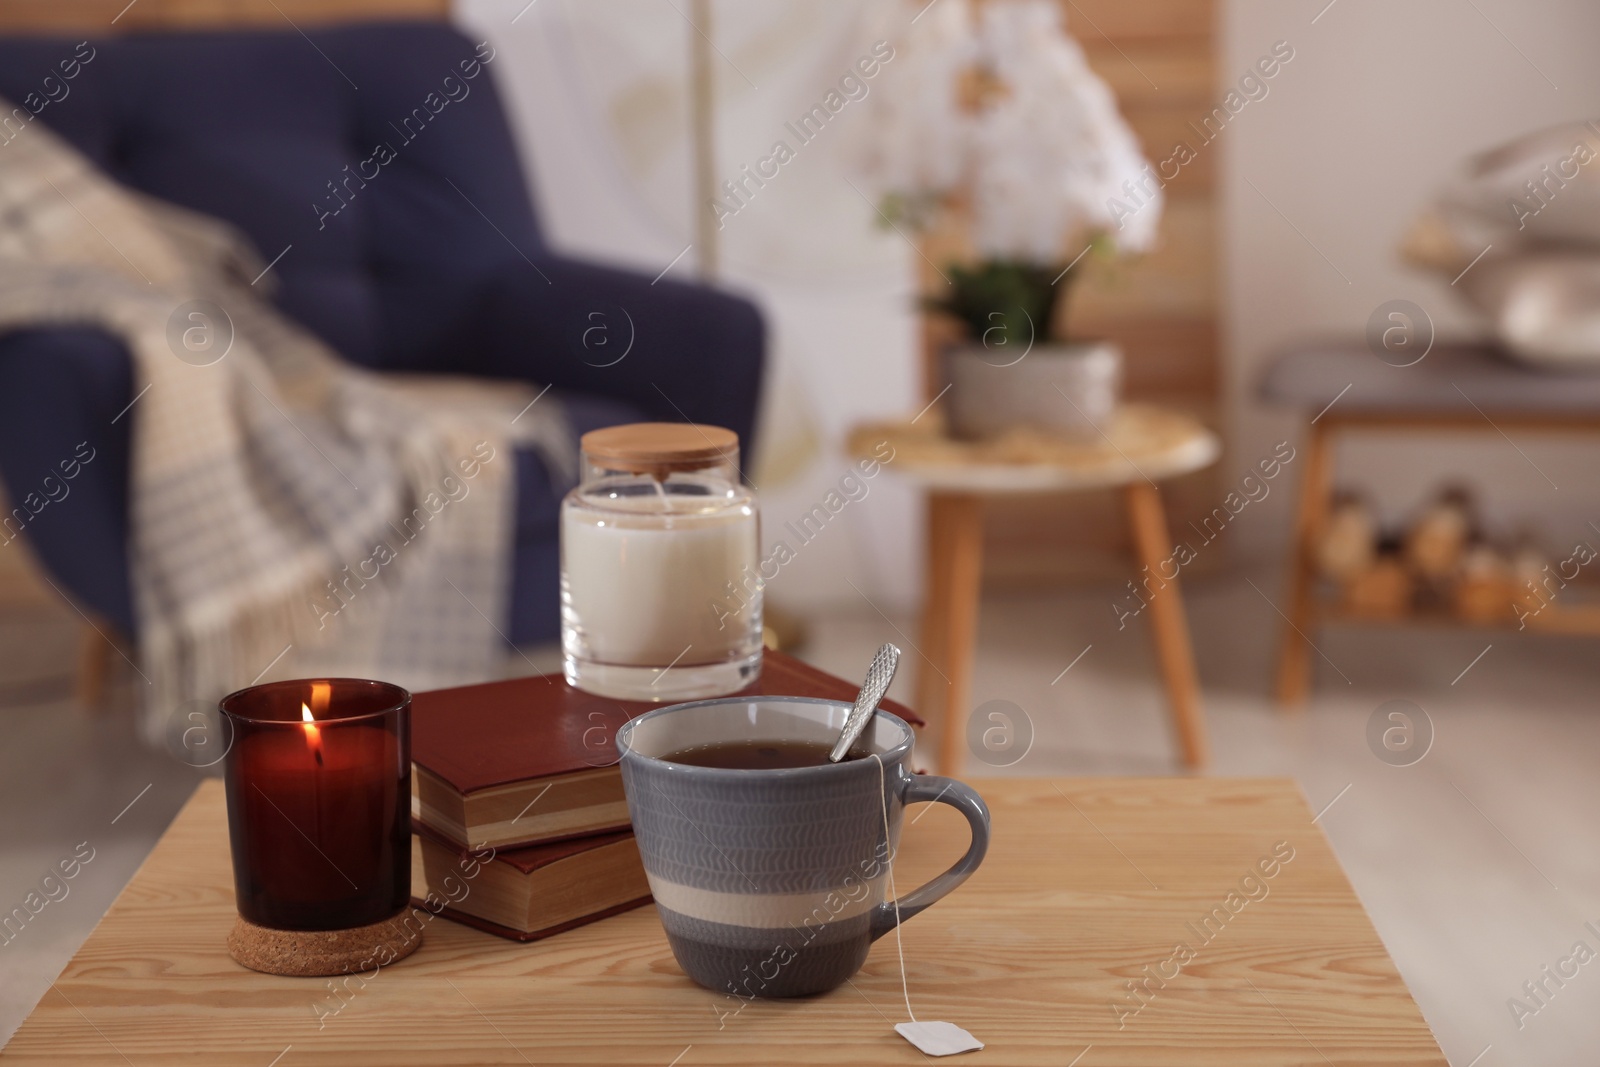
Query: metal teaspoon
[(879, 674)]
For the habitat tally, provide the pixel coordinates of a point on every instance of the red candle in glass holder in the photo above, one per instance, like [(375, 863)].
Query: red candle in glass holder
[(319, 813)]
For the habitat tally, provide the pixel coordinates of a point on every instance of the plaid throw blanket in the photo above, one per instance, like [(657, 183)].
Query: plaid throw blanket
[(291, 514)]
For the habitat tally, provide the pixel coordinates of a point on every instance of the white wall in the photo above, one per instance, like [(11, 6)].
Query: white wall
[(1381, 103)]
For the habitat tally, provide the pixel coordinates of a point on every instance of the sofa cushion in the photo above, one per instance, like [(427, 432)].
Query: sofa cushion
[(375, 158)]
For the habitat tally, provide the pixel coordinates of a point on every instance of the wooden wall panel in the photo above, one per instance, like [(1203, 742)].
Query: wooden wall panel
[(1152, 74), (1130, 21), (1176, 280)]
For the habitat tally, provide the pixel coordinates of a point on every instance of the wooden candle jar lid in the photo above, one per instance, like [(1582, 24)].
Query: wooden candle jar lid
[(314, 953), (659, 447)]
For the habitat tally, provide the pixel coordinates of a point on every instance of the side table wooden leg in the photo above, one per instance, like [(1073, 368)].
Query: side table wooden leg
[(950, 619), (1171, 629), (94, 665), (1294, 657)]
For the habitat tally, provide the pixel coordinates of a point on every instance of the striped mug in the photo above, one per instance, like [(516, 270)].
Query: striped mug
[(772, 883)]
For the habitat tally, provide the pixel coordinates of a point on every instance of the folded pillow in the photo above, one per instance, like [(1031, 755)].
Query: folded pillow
[(1525, 217)]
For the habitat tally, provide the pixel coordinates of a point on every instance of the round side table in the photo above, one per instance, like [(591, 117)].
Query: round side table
[(1142, 445)]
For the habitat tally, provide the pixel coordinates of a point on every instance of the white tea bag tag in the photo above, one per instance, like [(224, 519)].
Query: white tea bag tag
[(938, 1039)]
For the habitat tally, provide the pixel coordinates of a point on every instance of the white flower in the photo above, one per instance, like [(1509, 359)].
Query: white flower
[(1045, 154), (918, 141)]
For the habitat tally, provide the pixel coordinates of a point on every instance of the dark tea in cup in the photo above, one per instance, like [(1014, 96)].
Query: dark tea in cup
[(758, 755)]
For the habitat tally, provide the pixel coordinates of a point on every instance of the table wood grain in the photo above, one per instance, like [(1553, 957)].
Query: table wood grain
[(1088, 882)]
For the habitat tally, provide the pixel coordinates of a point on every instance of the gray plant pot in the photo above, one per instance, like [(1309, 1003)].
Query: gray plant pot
[(1070, 390)]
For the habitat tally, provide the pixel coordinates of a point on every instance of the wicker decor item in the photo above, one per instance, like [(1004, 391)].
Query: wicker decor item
[(1382, 591), (1434, 543), (1485, 592), (1443, 566), (1350, 542)]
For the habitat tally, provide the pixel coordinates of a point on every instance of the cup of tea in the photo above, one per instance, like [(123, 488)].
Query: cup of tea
[(769, 865)]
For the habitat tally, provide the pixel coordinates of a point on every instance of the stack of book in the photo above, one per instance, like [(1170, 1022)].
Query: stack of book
[(520, 819)]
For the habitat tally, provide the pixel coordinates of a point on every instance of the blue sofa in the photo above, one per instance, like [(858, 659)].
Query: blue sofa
[(376, 159)]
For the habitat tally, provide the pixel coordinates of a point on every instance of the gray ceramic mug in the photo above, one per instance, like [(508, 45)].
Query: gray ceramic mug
[(772, 883)]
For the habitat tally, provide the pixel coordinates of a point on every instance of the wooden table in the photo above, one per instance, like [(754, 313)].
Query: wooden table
[(1143, 445), (1087, 883)]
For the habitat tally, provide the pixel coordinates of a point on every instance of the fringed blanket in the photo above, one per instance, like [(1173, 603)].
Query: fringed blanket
[(291, 514)]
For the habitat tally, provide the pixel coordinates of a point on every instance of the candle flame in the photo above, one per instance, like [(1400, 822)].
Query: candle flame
[(313, 731)]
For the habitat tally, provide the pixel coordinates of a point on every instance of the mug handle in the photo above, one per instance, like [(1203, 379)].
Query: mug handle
[(915, 788)]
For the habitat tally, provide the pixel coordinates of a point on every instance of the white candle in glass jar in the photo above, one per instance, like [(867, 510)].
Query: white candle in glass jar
[(650, 589)]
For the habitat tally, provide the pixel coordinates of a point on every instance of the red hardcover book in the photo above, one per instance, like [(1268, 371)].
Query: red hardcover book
[(529, 760), (529, 893)]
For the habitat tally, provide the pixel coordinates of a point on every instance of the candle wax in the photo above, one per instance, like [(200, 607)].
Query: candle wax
[(318, 843), (648, 590)]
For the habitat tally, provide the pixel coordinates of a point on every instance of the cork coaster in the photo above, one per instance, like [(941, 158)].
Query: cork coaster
[(312, 953)]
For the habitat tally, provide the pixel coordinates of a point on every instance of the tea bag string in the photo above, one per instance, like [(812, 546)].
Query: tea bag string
[(888, 844)]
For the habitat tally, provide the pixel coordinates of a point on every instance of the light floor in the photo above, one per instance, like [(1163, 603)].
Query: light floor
[(1479, 865)]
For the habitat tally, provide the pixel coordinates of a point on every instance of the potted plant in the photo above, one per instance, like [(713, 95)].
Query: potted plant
[(1006, 121)]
